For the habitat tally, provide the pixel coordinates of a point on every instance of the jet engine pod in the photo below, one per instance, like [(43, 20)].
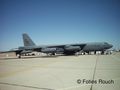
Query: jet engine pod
[(48, 50), (60, 49), (72, 48), (26, 51), (52, 50)]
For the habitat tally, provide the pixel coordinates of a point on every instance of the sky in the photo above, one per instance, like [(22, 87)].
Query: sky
[(51, 22)]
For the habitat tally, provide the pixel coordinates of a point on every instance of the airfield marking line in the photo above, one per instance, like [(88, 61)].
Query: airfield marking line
[(23, 70), (11, 84), (94, 71)]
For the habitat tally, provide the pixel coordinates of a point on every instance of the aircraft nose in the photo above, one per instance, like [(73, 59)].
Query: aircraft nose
[(111, 45)]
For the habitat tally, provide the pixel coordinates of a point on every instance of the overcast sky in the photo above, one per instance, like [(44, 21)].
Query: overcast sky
[(59, 21)]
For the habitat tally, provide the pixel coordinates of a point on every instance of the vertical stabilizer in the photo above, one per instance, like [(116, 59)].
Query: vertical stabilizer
[(27, 40)]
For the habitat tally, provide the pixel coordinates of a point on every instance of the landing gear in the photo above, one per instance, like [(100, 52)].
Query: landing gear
[(95, 52), (50, 54), (53, 54), (102, 52), (88, 52), (18, 55)]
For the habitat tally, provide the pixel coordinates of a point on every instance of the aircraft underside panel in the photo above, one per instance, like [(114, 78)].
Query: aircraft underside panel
[(69, 53)]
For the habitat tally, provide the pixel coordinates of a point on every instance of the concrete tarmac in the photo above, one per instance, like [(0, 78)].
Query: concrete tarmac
[(84, 72)]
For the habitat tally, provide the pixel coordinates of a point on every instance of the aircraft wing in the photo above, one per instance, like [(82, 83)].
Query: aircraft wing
[(12, 50), (66, 49), (67, 45)]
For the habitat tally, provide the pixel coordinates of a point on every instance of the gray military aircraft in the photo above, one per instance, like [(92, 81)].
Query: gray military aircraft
[(67, 49)]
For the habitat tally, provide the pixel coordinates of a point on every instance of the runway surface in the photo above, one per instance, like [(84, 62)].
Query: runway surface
[(61, 73)]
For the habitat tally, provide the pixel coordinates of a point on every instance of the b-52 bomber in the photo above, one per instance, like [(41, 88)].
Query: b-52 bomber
[(67, 49)]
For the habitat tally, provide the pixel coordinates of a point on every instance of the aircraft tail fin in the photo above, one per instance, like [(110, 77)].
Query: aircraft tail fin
[(27, 40)]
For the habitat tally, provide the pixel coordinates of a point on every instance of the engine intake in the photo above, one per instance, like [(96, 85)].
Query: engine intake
[(72, 48), (51, 50)]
